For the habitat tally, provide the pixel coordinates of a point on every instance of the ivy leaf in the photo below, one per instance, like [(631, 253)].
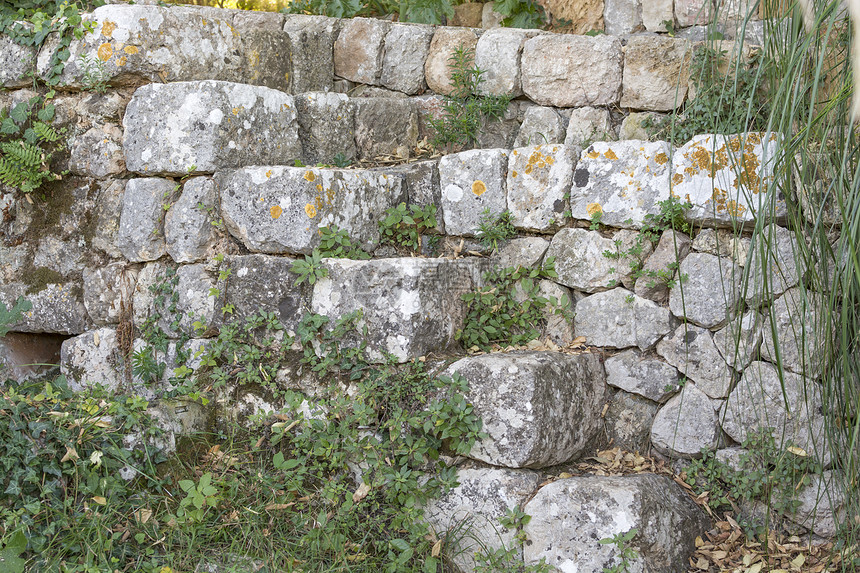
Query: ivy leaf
[(8, 127), (20, 112)]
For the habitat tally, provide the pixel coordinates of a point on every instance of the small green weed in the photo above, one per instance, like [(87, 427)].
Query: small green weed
[(403, 226), (495, 228), (310, 268), (336, 243), (96, 75), (622, 542), (27, 144), (9, 316)]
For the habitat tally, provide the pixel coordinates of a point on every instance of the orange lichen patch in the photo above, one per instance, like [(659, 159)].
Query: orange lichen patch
[(309, 176), (610, 155), (677, 179), (310, 210), (275, 211), (723, 204), (592, 155), (661, 158), (130, 50), (704, 160), (122, 61), (479, 187), (538, 160), (236, 110), (513, 173), (593, 208), (105, 52), (268, 174), (748, 177), (107, 28)]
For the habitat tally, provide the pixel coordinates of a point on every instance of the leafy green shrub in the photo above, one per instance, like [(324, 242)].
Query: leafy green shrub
[(403, 226), (336, 243), (495, 228), (27, 144)]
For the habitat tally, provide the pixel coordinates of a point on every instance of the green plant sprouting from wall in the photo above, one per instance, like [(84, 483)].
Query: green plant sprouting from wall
[(403, 226), (28, 143)]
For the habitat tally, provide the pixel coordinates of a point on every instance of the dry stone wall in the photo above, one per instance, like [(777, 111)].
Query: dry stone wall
[(187, 167)]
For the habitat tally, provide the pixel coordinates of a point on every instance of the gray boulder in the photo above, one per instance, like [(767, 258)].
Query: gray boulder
[(798, 322), (538, 183), (692, 351), (582, 263), (385, 127), (498, 53), (822, 504), (312, 51), (521, 252), (141, 225), (98, 152), (472, 182), (406, 50), (739, 340), (15, 61), (58, 304), (643, 375), (686, 424), (656, 73), (106, 290), (326, 126), (619, 319), (189, 226), (358, 50), (588, 124), (541, 126), (772, 268), (628, 421), (707, 291)]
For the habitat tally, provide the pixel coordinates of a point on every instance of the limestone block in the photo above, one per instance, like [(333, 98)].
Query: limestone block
[(640, 374), (498, 53), (656, 73), (622, 17), (666, 520), (468, 15), (15, 61), (141, 225), (98, 152), (558, 328), (587, 124), (359, 48), (686, 424), (245, 20), (385, 126), (539, 408), (106, 215), (538, 182), (326, 126), (58, 306), (189, 232), (772, 267), (727, 178), (472, 181), (281, 209), (419, 313), (572, 71), (692, 12), (655, 14), (624, 180), (489, 17), (632, 126), (437, 68), (822, 504), (739, 340), (541, 126), (671, 250), (724, 243), (620, 319), (482, 498), (796, 317), (628, 421), (710, 293), (499, 133), (788, 404), (692, 351), (581, 263), (521, 252), (204, 126), (93, 359), (64, 257), (195, 302), (312, 51), (406, 49), (106, 290), (583, 15)]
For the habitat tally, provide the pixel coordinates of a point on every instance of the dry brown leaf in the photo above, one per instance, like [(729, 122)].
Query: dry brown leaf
[(361, 492)]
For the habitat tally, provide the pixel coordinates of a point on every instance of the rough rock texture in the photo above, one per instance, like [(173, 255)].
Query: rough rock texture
[(141, 225), (587, 124), (280, 209), (655, 14), (583, 15), (106, 290), (312, 42), (384, 127), (641, 374), (483, 497), (620, 319), (406, 49), (539, 408), (421, 184), (204, 126), (623, 180), (692, 12), (687, 423), (791, 407), (538, 181), (558, 328), (722, 242), (595, 507), (739, 340), (772, 268), (15, 61), (822, 506), (692, 351), (628, 420), (437, 68), (359, 48), (541, 125), (419, 312), (500, 132), (92, 359), (58, 307), (471, 182), (98, 152), (490, 18), (188, 226), (656, 73), (572, 71), (580, 261), (622, 17), (660, 266), (326, 126), (107, 214), (798, 325), (521, 252), (498, 53), (726, 177), (710, 294)]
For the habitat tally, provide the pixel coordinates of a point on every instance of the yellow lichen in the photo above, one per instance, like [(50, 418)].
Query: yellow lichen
[(107, 28), (677, 179), (276, 211), (309, 176), (513, 173), (310, 210), (592, 155), (610, 155), (268, 174), (105, 52), (130, 50), (593, 208), (479, 187), (661, 158), (121, 62)]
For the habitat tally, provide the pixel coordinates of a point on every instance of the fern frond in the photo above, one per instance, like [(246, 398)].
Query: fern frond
[(26, 155), (46, 132)]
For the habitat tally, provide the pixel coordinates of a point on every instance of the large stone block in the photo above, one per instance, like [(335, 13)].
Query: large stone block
[(772, 268), (584, 15), (106, 216), (692, 351), (592, 508), (498, 54), (471, 182), (620, 319), (686, 424), (572, 71), (107, 290), (437, 68), (200, 127), (623, 180), (58, 305), (541, 126), (312, 52), (622, 17), (661, 266), (281, 209), (421, 185), (326, 126), (189, 226), (581, 259), (406, 49), (693, 12), (628, 421), (539, 408), (539, 179), (707, 291), (141, 225), (411, 306), (640, 374), (93, 359), (588, 124), (15, 61), (656, 73), (98, 152), (740, 339), (796, 317), (358, 50), (385, 127), (656, 13)]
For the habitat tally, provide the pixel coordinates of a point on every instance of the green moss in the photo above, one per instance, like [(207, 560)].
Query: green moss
[(38, 279)]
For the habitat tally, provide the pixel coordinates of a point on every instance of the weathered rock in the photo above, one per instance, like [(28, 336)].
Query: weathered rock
[(498, 53), (489, 17), (64, 257), (632, 126), (359, 48), (482, 498), (326, 126), (581, 263), (557, 314), (661, 266), (421, 184), (245, 20), (98, 152), (588, 124), (707, 292), (724, 243), (643, 375), (151, 279), (772, 267), (107, 290), (25, 356), (521, 252), (628, 421), (692, 351), (541, 126), (204, 126), (195, 302), (624, 180), (739, 340), (686, 424), (731, 457), (798, 321), (822, 504), (538, 181), (692, 12), (584, 16), (385, 126), (622, 17), (106, 217), (189, 226), (419, 313), (468, 15), (93, 359), (141, 225), (437, 68), (471, 182), (312, 51), (499, 132), (406, 49), (789, 405), (268, 59), (15, 61), (727, 178), (596, 507), (571, 71), (539, 408), (620, 319), (656, 73), (280, 209), (656, 13), (58, 305)]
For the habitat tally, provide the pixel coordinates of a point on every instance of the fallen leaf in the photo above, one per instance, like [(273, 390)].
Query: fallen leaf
[(71, 454), (361, 492), (279, 506), (143, 515), (99, 500)]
